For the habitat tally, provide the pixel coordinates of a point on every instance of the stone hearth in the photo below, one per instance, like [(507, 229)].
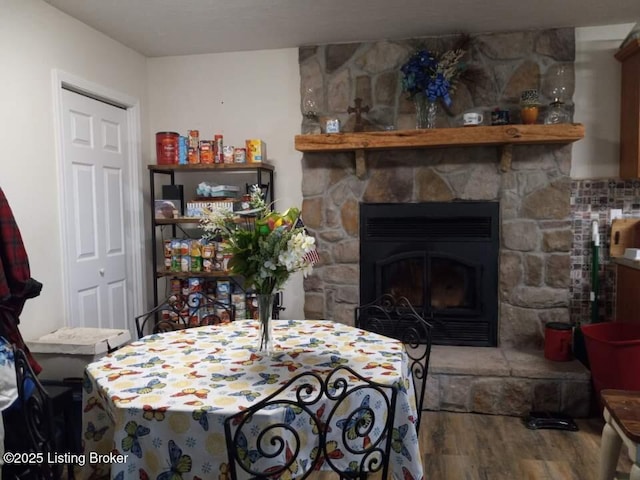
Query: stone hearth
[(505, 381), (535, 225)]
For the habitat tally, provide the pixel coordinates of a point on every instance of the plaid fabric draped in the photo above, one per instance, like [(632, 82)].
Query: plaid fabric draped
[(14, 263), (16, 284)]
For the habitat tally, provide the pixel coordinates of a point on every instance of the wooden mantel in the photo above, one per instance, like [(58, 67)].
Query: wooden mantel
[(504, 135)]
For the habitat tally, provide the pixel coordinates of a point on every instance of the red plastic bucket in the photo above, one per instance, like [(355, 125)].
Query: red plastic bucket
[(557, 341), (614, 355)]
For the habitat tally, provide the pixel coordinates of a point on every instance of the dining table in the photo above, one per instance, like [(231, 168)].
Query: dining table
[(155, 408)]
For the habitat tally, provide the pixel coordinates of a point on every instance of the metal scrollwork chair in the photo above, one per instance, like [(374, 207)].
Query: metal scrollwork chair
[(397, 318), (312, 420), (184, 311), (30, 428)]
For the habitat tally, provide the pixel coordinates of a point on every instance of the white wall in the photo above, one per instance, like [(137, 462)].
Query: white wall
[(597, 100), (240, 95), (34, 39)]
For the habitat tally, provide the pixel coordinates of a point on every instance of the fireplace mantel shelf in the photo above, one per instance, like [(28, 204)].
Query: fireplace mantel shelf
[(505, 136)]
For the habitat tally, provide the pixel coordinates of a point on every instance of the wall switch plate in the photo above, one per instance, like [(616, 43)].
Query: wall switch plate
[(614, 214)]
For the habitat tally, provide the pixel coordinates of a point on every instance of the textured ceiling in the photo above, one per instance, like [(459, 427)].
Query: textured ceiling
[(158, 28)]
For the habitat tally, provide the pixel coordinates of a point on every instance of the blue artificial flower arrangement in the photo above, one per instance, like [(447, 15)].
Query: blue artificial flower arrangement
[(434, 75)]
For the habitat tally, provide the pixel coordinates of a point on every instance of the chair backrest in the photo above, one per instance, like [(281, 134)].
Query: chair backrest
[(339, 419), (397, 318), (184, 311), (30, 422)]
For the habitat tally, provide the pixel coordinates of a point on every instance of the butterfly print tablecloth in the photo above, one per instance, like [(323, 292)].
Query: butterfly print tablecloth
[(162, 400)]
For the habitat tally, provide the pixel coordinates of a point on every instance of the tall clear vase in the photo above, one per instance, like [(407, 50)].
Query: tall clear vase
[(426, 111), (265, 313)]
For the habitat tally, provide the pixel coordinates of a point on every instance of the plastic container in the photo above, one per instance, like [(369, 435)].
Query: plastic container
[(67, 351), (557, 341), (614, 355)]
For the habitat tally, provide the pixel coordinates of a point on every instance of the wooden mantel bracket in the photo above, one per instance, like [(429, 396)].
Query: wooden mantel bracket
[(506, 154), (361, 168)]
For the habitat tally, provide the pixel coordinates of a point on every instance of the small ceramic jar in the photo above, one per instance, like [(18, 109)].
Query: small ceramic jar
[(529, 114), (529, 102)]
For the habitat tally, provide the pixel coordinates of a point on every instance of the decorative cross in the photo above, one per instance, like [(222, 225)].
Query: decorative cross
[(358, 110)]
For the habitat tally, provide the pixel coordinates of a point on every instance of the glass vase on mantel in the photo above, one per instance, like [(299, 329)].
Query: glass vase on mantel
[(426, 111), (265, 313)]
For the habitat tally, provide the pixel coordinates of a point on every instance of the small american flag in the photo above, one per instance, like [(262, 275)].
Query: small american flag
[(312, 257)]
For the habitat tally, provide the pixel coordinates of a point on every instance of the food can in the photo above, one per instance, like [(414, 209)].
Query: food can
[(207, 265), (176, 245), (168, 249), (175, 286), (175, 263), (196, 256), (240, 155), (196, 264), (208, 250), (223, 287), (206, 151), (223, 314), (194, 138), (185, 264), (218, 154), (228, 153), (217, 265), (185, 247), (193, 144), (167, 148), (194, 156)]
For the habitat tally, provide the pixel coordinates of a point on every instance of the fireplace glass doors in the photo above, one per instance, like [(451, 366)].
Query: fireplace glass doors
[(442, 257)]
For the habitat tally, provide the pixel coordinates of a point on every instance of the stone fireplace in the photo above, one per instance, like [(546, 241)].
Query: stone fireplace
[(535, 235), (535, 231)]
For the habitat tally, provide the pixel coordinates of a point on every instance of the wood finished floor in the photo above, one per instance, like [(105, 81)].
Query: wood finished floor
[(467, 446), (463, 446)]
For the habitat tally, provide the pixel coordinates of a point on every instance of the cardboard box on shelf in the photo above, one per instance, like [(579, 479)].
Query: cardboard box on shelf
[(256, 151), (625, 233)]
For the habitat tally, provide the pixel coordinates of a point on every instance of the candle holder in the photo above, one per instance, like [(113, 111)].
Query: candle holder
[(557, 88)]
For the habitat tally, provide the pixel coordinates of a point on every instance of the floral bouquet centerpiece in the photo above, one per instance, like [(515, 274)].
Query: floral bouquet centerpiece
[(266, 247), (429, 76)]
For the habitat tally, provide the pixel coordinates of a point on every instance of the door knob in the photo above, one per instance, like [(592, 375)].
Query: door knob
[(101, 272)]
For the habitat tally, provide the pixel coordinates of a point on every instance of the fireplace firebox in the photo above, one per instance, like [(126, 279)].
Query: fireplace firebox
[(441, 256)]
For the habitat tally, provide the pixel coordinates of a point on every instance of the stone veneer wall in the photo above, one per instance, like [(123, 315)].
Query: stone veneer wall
[(500, 67), (536, 235)]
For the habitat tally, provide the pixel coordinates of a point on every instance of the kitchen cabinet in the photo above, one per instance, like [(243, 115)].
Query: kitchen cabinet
[(627, 290), (630, 110)]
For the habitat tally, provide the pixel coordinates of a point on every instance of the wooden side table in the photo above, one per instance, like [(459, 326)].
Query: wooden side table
[(622, 417)]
